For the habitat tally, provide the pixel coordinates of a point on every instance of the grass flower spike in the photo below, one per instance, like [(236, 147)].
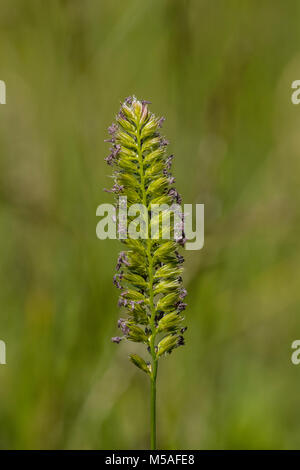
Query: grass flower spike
[(149, 269)]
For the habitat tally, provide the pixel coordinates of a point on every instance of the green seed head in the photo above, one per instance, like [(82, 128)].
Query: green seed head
[(149, 270)]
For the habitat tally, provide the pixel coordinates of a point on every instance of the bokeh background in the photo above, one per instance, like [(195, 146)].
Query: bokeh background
[(221, 72)]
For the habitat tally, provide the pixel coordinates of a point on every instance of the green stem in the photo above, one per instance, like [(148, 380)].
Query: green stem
[(152, 307), (153, 406), (153, 352)]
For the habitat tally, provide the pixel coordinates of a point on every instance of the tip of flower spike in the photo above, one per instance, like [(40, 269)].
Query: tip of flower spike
[(130, 99)]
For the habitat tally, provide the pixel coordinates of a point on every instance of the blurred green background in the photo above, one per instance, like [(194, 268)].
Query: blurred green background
[(221, 72)]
